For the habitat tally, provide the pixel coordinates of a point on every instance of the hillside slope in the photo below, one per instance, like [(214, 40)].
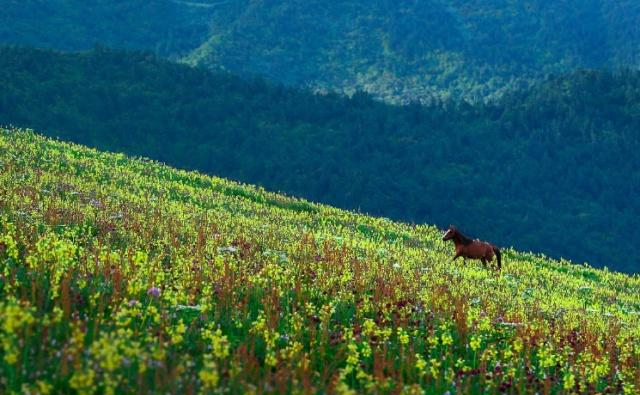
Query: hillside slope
[(123, 275), (397, 50), (552, 169)]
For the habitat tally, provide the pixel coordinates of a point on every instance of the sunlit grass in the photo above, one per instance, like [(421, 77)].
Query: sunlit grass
[(126, 276)]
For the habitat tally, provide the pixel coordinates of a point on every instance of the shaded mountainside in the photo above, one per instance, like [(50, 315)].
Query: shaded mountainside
[(411, 50), (552, 169), (124, 276), (397, 50), (166, 27)]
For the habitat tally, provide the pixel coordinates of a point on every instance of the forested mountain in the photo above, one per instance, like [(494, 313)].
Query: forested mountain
[(397, 50), (169, 28), (553, 168), (406, 50)]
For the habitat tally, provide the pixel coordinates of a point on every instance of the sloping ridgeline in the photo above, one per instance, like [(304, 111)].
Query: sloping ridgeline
[(552, 169), (125, 276)]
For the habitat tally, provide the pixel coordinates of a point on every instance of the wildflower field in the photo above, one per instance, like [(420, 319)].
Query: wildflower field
[(122, 275)]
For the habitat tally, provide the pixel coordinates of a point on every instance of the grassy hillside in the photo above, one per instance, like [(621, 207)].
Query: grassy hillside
[(123, 275), (552, 169), (396, 50)]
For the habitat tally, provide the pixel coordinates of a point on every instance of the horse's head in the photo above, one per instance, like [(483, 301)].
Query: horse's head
[(450, 233)]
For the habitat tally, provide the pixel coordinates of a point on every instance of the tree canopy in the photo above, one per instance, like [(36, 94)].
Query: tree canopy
[(396, 50)]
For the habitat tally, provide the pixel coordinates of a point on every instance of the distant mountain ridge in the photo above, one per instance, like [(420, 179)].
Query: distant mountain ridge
[(552, 169), (412, 50), (396, 50), (168, 28)]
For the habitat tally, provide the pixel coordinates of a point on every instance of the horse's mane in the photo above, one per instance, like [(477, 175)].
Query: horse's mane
[(463, 239)]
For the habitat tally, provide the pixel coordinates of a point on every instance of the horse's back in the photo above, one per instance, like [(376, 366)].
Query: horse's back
[(478, 250)]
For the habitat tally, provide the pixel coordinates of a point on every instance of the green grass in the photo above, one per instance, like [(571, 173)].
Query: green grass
[(122, 275)]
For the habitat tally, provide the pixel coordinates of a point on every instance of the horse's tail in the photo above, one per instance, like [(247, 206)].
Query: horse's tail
[(496, 250)]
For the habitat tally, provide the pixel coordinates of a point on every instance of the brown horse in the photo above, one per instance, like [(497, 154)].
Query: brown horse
[(473, 249)]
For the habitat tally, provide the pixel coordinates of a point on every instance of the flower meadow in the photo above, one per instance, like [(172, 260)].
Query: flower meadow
[(123, 276)]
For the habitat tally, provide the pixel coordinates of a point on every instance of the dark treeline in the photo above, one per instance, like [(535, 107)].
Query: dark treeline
[(554, 168), (165, 27)]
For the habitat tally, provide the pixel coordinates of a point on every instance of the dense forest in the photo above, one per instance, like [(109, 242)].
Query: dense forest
[(397, 50), (407, 50), (168, 28), (551, 168)]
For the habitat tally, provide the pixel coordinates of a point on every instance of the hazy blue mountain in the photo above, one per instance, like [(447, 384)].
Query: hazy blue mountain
[(169, 28), (400, 50)]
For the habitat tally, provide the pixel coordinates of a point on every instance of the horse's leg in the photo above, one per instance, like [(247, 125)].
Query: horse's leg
[(491, 260), (497, 267), (455, 257), (484, 262)]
